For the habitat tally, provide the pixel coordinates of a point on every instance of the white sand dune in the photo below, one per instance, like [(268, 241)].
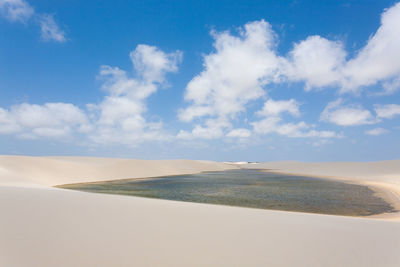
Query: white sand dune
[(45, 226), (388, 170), (50, 171)]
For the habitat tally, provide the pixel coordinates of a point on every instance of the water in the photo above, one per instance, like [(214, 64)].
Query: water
[(252, 188)]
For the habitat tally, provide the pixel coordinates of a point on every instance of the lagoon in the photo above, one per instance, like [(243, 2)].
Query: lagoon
[(253, 189)]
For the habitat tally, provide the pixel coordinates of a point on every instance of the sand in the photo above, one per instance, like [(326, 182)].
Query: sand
[(51, 171), (45, 226)]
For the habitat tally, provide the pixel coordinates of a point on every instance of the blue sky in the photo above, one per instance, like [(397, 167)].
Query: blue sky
[(217, 80)]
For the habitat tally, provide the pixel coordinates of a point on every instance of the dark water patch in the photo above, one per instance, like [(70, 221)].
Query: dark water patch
[(252, 188)]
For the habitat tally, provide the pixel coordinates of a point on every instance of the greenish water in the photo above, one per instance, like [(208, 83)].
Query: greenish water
[(252, 188)]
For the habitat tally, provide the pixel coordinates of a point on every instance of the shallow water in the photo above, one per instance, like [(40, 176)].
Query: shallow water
[(252, 188)]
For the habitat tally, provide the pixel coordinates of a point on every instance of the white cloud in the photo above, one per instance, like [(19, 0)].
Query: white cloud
[(335, 112), (319, 62), (295, 130), (273, 123), (266, 126), (16, 10), (49, 120), (242, 66), (213, 129), (352, 115), (316, 61), (376, 131), (50, 30), (391, 86), (275, 108), (201, 132), (233, 75), (151, 64), (119, 118), (387, 111), (236, 73), (379, 59), (240, 133), (22, 11)]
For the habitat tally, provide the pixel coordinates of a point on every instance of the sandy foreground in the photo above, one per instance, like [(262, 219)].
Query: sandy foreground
[(44, 226)]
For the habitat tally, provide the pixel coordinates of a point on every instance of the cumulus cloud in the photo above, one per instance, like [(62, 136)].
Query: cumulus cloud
[(351, 115), (233, 75), (50, 30), (387, 111), (119, 118), (275, 108), (316, 61), (213, 129), (320, 62), (16, 10), (242, 66), (22, 11), (376, 131), (379, 59), (51, 120), (273, 123)]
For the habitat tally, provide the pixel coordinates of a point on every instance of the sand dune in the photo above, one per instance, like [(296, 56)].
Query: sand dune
[(378, 171), (45, 226), (41, 227), (50, 171)]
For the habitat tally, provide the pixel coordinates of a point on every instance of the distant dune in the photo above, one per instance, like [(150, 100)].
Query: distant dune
[(388, 170), (45, 226)]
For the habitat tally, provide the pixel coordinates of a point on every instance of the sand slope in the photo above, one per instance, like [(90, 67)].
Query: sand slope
[(378, 171), (51, 171), (41, 227), (44, 226)]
